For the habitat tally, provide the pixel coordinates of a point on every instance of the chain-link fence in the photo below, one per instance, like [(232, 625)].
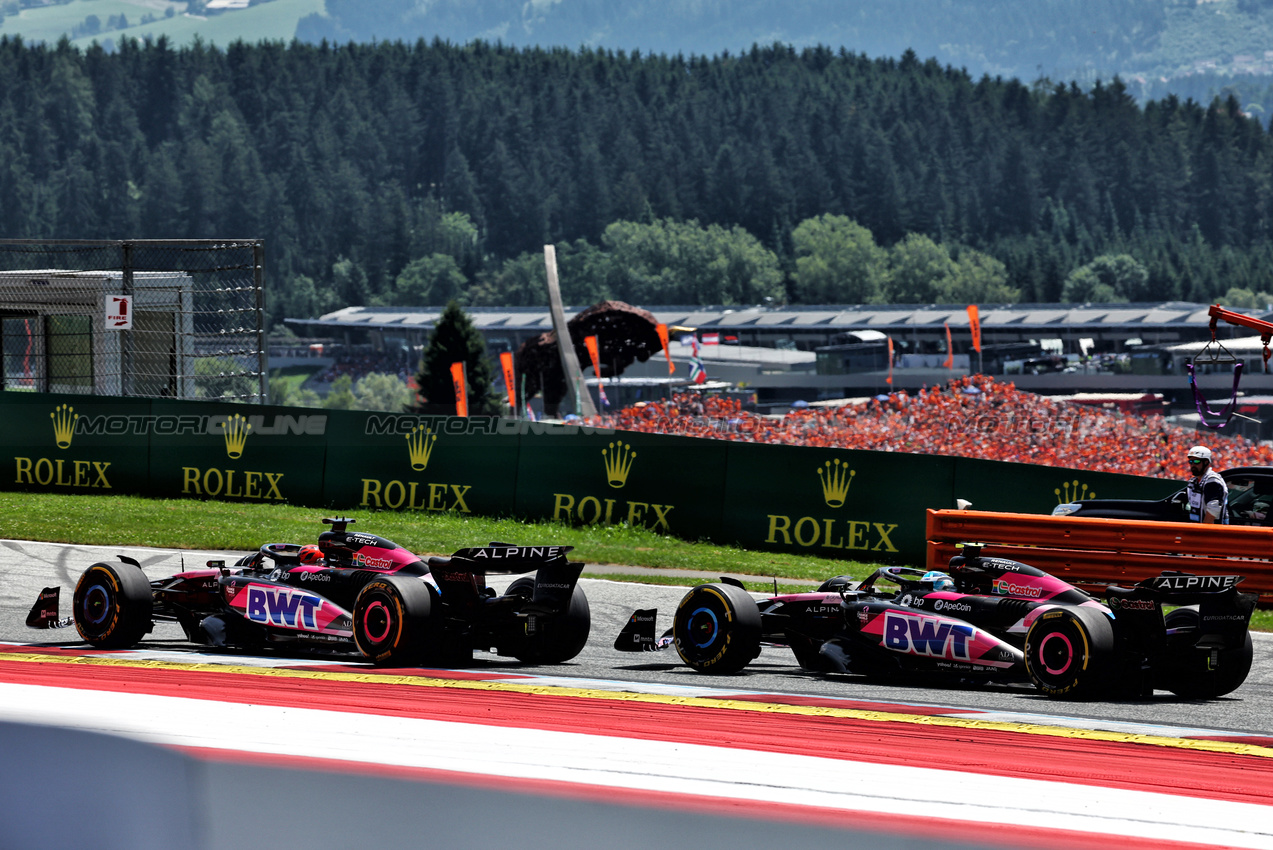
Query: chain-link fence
[(152, 318)]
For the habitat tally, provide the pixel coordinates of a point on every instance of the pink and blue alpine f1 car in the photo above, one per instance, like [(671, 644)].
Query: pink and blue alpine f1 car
[(354, 592), (985, 619)]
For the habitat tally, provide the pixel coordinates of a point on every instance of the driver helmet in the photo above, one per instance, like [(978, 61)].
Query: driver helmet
[(1200, 453), (310, 555), (940, 580)]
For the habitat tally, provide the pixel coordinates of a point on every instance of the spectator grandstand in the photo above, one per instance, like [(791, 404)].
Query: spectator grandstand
[(971, 416)]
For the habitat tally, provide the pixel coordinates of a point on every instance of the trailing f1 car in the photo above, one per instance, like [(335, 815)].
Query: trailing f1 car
[(353, 592), (985, 620)]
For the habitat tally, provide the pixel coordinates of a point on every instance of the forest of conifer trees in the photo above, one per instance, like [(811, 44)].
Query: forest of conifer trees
[(410, 173)]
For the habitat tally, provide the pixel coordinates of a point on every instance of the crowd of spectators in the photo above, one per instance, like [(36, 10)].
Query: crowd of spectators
[(969, 417)]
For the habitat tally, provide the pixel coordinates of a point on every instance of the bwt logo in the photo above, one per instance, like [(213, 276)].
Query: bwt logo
[(927, 636), (283, 608)]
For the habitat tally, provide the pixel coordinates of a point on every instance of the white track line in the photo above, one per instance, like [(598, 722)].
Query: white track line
[(732, 773)]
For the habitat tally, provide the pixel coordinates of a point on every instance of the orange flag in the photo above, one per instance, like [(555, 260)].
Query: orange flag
[(458, 376), (974, 325), (950, 351), (506, 361), (594, 352), (889, 379), (662, 331)]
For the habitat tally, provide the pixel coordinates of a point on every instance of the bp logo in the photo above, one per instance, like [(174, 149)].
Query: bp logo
[(618, 460), (420, 442), (836, 480), (1072, 491), (64, 419), (235, 430)]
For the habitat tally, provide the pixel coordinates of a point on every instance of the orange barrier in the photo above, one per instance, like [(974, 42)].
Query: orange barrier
[(1092, 552)]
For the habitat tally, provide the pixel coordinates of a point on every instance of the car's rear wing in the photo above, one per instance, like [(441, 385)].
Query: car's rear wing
[(1178, 586), (1222, 607), (463, 575)]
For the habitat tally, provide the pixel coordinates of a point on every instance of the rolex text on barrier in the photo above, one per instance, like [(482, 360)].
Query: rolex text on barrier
[(671, 485), (75, 443), (463, 465), (238, 452), (831, 503)]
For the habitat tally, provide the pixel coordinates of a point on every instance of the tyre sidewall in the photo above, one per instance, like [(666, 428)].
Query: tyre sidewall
[(563, 635), (388, 619), (717, 628), (1188, 674), (1068, 651), (124, 593)]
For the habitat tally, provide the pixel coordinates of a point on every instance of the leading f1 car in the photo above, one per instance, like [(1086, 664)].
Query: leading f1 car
[(353, 592), (984, 620)]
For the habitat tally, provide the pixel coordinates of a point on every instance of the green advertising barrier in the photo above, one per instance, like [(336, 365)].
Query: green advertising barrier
[(74, 443), (672, 485), (837, 503), (1027, 488), (236, 452), (421, 463), (833, 503)]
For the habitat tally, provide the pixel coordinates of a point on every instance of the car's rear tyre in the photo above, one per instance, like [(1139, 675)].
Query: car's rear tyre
[(558, 638), (1189, 673), (1068, 652), (112, 605), (717, 628), (392, 621)]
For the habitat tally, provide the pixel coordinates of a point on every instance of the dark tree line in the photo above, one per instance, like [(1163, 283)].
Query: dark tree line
[(397, 172)]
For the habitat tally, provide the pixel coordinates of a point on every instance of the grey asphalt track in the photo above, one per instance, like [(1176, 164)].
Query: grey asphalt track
[(26, 567)]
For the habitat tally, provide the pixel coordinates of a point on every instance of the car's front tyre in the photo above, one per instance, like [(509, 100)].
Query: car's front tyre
[(717, 628), (112, 605)]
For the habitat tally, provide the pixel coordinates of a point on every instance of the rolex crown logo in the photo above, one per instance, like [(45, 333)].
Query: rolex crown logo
[(836, 480), (1072, 491), (236, 430), (420, 445), (64, 419), (619, 457)]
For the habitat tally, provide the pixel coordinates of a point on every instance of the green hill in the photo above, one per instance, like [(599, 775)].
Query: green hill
[(1206, 44), (105, 21)]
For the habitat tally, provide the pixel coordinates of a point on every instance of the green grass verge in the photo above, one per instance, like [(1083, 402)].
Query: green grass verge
[(679, 581), (189, 524)]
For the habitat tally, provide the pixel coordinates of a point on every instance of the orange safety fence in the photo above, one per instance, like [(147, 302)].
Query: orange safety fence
[(1092, 552)]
